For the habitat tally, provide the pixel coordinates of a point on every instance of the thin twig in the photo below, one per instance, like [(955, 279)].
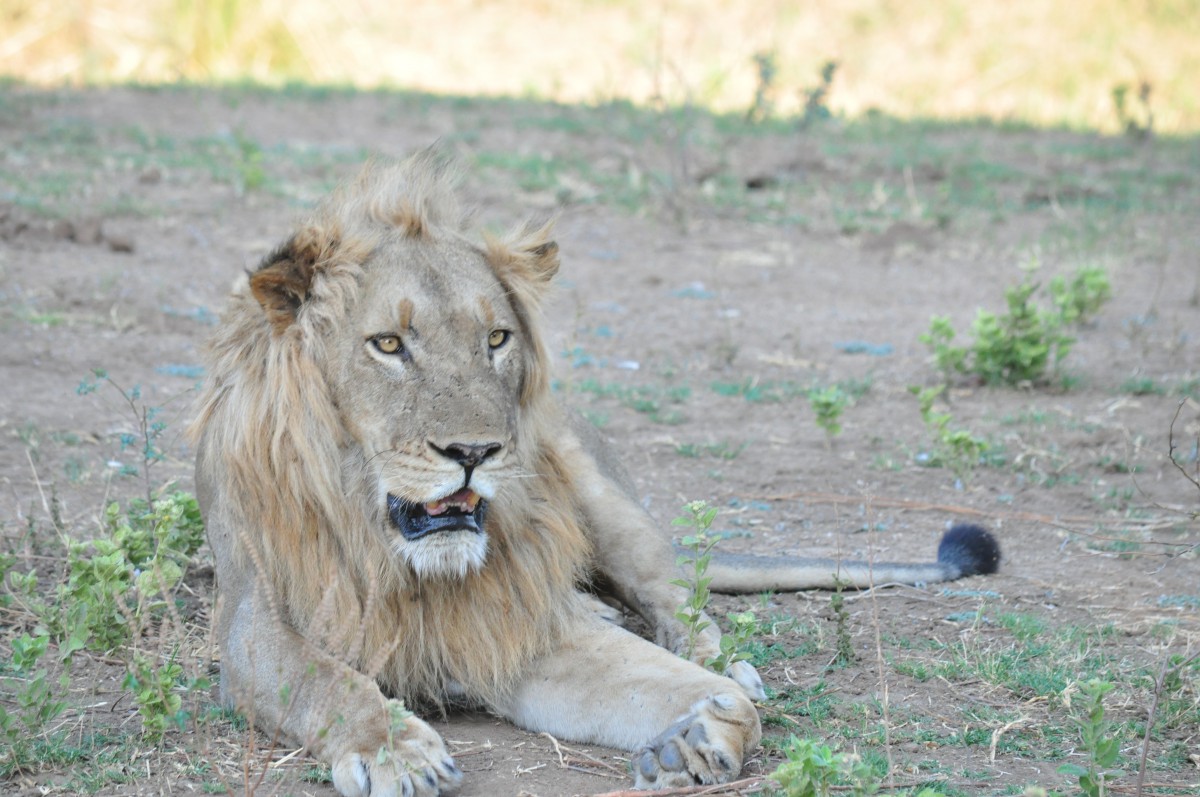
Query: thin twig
[(1159, 683), (1171, 447), (733, 787), (580, 759)]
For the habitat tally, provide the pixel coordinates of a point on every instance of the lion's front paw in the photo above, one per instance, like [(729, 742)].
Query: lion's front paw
[(417, 766), (705, 746)]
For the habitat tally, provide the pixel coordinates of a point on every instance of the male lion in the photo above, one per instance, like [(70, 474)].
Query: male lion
[(401, 510)]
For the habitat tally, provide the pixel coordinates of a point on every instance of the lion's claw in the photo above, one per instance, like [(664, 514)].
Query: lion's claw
[(745, 676), (419, 767)]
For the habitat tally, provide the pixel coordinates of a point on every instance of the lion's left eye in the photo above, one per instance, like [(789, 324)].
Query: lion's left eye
[(498, 338), (388, 344)]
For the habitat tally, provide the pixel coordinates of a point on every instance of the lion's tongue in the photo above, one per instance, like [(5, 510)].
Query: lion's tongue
[(465, 501)]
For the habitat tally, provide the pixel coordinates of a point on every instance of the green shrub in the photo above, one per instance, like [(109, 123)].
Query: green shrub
[(1023, 344)]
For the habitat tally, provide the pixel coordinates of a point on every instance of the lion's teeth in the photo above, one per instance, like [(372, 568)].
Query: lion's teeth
[(464, 501)]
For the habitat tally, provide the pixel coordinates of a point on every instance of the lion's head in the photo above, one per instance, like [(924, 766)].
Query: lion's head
[(430, 356), (378, 412)]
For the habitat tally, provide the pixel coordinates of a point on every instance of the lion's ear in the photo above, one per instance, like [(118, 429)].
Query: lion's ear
[(281, 284), (530, 257)]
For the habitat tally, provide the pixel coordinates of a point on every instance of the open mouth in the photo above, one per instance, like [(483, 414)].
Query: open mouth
[(462, 511)]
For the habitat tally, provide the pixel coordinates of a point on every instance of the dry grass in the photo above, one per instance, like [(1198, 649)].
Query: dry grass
[(1027, 60)]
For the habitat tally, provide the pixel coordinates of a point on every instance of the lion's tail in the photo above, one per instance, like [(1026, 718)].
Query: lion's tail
[(965, 550)]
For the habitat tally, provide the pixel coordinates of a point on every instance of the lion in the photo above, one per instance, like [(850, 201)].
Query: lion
[(402, 514)]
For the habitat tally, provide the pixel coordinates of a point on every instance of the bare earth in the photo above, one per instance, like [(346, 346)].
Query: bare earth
[(151, 202)]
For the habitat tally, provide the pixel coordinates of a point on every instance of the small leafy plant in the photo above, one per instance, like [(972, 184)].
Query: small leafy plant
[(956, 449), (1023, 344), (816, 770), (816, 99), (37, 701), (844, 655), (743, 627), (1102, 748), (147, 440), (699, 544), (113, 591), (829, 403), (766, 64)]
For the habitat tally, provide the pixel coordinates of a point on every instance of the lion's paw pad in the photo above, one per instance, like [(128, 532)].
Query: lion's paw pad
[(705, 746)]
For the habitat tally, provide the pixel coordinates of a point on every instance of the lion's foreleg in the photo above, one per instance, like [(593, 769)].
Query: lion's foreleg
[(637, 561), (288, 686), (606, 686)]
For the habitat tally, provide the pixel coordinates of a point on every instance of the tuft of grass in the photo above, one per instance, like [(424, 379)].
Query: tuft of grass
[(659, 403), (725, 450)]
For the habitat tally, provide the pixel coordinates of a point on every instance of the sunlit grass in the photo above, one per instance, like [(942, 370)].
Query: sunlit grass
[(1027, 60)]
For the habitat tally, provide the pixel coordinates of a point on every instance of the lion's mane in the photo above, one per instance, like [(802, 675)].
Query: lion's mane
[(295, 481)]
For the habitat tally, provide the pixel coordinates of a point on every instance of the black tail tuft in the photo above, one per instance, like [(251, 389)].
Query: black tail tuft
[(970, 548)]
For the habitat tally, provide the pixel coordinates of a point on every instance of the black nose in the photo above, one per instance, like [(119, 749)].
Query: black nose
[(469, 455)]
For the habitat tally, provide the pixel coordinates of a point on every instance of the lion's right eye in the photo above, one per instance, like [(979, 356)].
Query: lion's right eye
[(388, 344)]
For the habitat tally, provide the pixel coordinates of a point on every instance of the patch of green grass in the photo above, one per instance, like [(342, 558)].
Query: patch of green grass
[(1023, 627), (935, 172), (757, 391), (659, 403), (724, 450), (915, 668), (100, 753), (816, 702), (1189, 388)]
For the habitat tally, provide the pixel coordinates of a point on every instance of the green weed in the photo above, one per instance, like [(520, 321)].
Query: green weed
[(812, 769), (1102, 749), (699, 544), (816, 98), (248, 163), (829, 403), (767, 67), (1080, 298), (115, 590), (956, 449), (1137, 121), (1023, 344), (844, 652)]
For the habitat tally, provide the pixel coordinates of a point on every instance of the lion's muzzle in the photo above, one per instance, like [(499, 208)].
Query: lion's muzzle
[(462, 511)]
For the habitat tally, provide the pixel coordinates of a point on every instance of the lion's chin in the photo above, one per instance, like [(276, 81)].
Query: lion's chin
[(446, 555), (444, 538)]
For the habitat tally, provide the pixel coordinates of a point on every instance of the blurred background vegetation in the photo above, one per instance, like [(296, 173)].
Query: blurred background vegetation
[(1096, 64)]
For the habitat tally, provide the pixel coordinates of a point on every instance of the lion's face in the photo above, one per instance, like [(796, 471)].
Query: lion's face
[(429, 355), (427, 377)]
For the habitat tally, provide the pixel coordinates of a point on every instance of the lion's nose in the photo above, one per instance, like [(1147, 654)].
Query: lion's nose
[(469, 455)]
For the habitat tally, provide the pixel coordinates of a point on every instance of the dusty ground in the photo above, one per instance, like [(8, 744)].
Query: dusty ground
[(125, 215)]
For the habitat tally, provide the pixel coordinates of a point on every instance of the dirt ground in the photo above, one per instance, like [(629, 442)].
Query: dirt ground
[(126, 214)]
